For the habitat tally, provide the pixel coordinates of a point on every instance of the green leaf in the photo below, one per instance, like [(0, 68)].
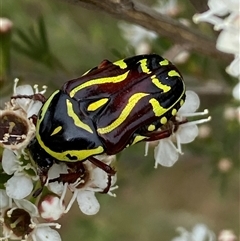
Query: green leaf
[(3, 179), (43, 33), (35, 45)]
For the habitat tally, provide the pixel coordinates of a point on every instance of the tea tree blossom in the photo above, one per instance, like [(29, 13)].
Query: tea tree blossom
[(225, 16), (141, 38), (200, 232), (93, 180), (21, 210), (166, 153), (51, 207), (20, 185), (22, 178), (138, 37), (19, 220), (227, 235)]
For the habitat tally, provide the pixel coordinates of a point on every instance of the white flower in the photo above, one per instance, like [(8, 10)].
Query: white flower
[(46, 234), (17, 129), (200, 232), (217, 8), (229, 42), (4, 199), (169, 8), (54, 172), (225, 16), (27, 206), (51, 207), (5, 25), (20, 185), (236, 91), (136, 34), (87, 202), (18, 216), (16, 122), (138, 37), (227, 235), (10, 163), (86, 180), (20, 222), (166, 153), (29, 105), (225, 165)]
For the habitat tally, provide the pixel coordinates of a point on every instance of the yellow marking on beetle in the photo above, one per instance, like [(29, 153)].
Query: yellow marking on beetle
[(174, 112), (77, 121), (157, 108), (143, 64), (181, 102), (112, 79), (97, 104), (173, 73), (158, 83), (56, 130), (63, 156), (151, 127), (164, 62), (133, 100), (163, 120), (121, 64), (44, 109), (137, 139)]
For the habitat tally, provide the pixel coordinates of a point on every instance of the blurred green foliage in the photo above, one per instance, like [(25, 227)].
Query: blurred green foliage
[(53, 42), (35, 45)]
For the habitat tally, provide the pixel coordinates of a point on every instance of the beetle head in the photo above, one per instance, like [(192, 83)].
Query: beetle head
[(40, 156)]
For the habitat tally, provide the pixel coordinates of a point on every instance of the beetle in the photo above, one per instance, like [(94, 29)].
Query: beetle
[(110, 107)]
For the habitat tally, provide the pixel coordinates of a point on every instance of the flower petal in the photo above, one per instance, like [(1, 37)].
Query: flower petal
[(34, 109), (51, 208), (100, 178), (236, 91), (24, 90), (87, 202), (234, 69), (46, 234), (188, 133), (165, 153), (4, 199), (191, 104), (54, 172), (200, 232), (27, 206), (228, 41), (9, 162), (19, 187), (135, 34)]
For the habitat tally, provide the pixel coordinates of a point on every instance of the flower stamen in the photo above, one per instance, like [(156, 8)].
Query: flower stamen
[(196, 122), (206, 111), (74, 196)]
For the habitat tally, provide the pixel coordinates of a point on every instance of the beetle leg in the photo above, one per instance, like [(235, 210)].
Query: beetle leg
[(109, 170), (165, 133), (105, 167), (157, 135), (104, 64), (38, 97), (109, 183), (42, 173), (75, 170)]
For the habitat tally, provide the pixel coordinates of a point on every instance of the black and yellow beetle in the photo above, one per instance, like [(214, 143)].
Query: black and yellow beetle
[(107, 109)]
